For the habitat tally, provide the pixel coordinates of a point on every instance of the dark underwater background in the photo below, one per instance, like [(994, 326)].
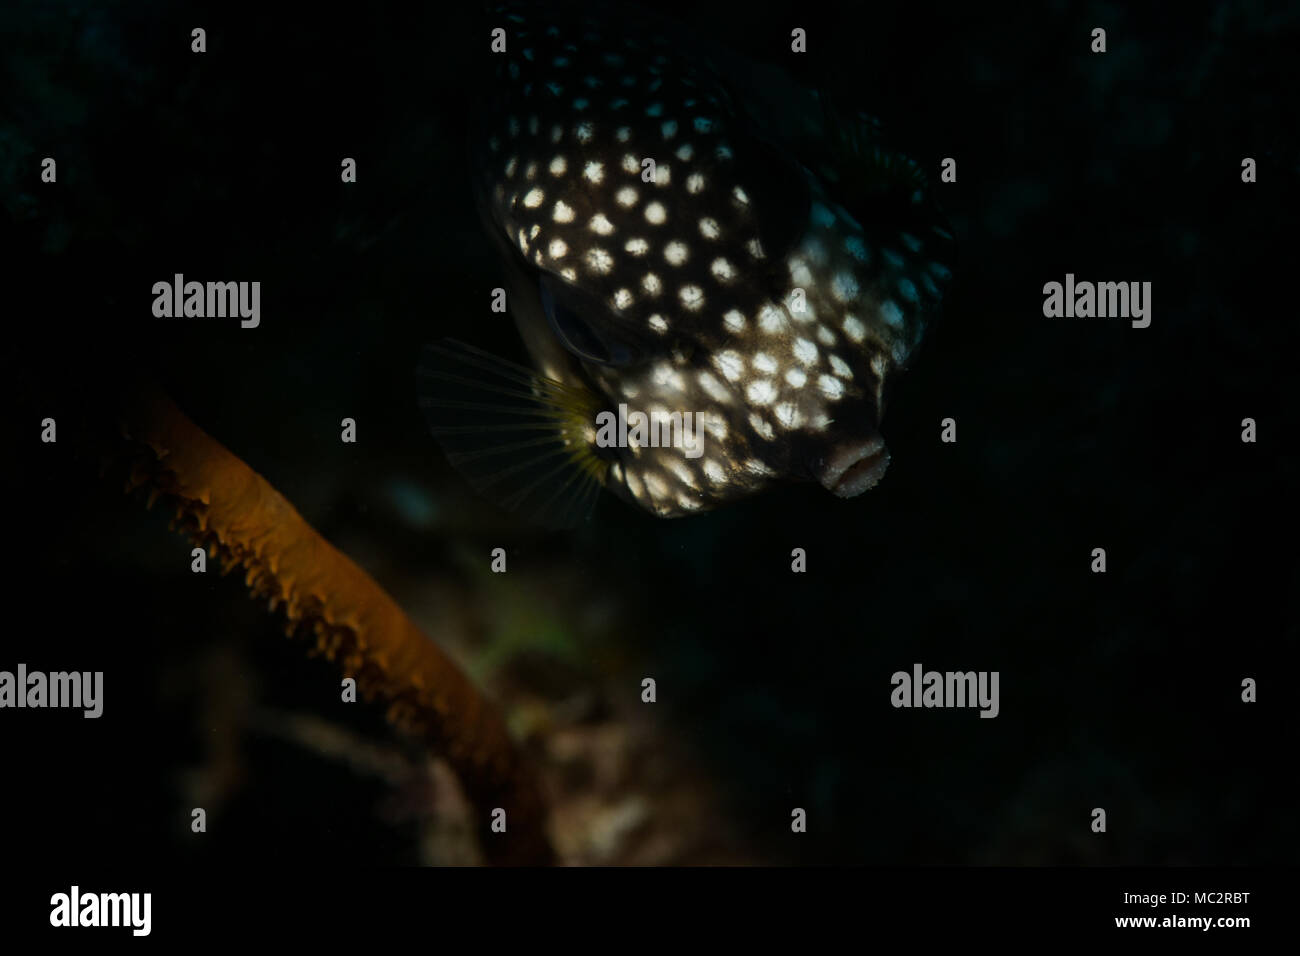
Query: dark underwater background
[(1118, 690)]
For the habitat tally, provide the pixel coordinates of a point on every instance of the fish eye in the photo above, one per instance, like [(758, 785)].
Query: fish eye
[(577, 336), (590, 341)]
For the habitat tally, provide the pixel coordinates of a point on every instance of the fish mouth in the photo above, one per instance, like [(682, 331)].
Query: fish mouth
[(854, 467)]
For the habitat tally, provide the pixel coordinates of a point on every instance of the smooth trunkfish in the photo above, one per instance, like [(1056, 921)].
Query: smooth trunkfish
[(672, 246)]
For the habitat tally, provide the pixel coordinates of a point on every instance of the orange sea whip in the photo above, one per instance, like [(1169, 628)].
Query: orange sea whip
[(227, 508)]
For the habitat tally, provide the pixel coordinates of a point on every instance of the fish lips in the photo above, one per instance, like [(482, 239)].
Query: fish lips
[(854, 466)]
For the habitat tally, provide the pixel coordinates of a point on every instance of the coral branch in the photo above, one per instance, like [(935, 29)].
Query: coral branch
[(235, 513)]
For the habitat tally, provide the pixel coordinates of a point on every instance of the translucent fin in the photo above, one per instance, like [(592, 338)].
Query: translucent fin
[(519, 438)]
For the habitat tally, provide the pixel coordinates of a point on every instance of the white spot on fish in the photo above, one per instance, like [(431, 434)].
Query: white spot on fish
[(788, 415), (692, 297), (678, 468), (832, 388), (633, 482), (730, 364), (844, 286), (891, 313), (805, 351), (815, 250), (657, 486), (799, 273), (771, 319), (717, 391), (761, 392)]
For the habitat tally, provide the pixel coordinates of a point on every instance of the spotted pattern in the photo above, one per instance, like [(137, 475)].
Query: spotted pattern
[(770, 345)]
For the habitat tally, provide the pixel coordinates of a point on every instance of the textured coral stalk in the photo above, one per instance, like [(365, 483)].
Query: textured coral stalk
[(229, 509)]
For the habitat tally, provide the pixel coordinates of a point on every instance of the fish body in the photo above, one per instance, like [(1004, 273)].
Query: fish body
[(667, 253)]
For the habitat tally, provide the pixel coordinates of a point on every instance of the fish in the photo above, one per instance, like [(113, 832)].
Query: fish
[(670, 246)]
